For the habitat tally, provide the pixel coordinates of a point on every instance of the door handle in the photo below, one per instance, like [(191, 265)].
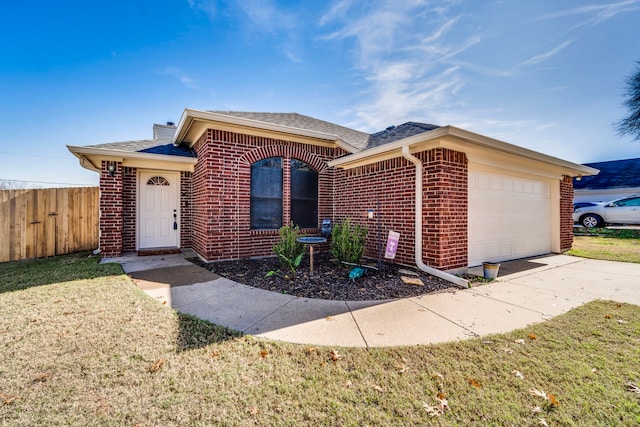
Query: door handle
[(175, 220)]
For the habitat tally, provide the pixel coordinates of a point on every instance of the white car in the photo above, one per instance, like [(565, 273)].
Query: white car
[(620, 211)]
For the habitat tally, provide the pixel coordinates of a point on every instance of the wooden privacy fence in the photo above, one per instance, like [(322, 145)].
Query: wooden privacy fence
[(45, 222)]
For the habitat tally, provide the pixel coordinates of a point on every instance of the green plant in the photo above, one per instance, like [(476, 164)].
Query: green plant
[(347, 241), (288, 249)]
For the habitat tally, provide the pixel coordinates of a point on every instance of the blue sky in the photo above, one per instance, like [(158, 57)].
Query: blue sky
[(546, 75)]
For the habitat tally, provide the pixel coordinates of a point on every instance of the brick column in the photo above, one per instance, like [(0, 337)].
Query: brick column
[(445, 209), (111, 210), (566, 213)]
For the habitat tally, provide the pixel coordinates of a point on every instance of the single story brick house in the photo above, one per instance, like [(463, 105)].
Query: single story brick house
[(223, 182)]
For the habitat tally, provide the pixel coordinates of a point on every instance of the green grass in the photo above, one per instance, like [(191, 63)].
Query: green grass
[(92, 349), (607, 244)]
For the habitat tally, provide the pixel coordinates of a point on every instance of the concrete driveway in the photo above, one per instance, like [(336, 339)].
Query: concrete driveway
[(526, 292)]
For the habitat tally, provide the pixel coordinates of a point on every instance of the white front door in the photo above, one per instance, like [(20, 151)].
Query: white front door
[(158, 209)]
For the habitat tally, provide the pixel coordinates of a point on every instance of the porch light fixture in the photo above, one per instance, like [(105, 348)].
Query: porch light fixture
[(111, 168)]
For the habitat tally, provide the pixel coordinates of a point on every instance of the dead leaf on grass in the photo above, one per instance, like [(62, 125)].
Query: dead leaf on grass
[(533, 336), (334, 355), (7, 399), (264, 353), (546, 396), (254, 410), (536, 409), (311, 350), (401, 369), (518, 374), (633, 388), (439, 409), (620, 321), (520, 341), (214, 354), (507, 350), (474, 383), (157, 365), (552, 399), (42, 377), (608, 316), (543, 422), (347, 384), (377, 388)]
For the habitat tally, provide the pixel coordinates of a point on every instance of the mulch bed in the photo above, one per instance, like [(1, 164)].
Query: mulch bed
[(329, 281)]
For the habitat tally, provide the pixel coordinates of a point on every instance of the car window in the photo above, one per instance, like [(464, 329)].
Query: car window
[(633, 201)]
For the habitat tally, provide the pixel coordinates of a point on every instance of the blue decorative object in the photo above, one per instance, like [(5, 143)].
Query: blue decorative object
[(356, 273)]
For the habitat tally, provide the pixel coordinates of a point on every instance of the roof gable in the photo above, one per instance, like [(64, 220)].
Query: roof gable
[(299, 121), (613, 174)]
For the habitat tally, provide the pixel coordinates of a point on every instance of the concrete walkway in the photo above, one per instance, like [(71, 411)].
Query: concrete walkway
[(526, 292)]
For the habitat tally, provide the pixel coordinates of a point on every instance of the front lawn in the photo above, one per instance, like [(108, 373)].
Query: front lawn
[(608, 244), (91, 349)]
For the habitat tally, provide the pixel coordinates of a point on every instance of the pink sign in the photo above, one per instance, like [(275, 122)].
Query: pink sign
[(392, 245)]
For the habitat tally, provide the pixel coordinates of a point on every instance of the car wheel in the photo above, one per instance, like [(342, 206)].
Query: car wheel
[(591, 220)]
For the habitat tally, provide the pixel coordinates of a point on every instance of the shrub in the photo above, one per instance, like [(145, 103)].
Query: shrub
[(347, 241), (288, 249)]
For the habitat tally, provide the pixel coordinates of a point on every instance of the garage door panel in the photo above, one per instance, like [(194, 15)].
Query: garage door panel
[(509, 216)]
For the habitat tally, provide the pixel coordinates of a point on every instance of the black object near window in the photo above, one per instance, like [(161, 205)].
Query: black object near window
[(304, 195), (266, 194)]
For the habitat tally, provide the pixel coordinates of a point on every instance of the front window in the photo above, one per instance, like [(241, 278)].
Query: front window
[(304, 195), (266, 194)]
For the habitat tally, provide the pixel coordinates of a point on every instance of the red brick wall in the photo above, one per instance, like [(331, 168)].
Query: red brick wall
[(111, 211), (129, 200), (186, 209), (566, 213), (445, 187), (221, 191), (392, 182)]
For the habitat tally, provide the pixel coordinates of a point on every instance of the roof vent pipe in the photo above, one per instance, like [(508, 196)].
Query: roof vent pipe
[(171, 124), (418, 232)]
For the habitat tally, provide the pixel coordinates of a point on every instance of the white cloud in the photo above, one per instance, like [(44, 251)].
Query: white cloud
[(405, 53), (544, 56), (180, 75), (597, 13)]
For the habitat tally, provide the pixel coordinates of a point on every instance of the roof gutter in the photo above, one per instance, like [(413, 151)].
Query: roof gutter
[(418, 224)]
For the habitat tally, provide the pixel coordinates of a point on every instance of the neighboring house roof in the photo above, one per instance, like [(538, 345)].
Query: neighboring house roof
[(613, 174)]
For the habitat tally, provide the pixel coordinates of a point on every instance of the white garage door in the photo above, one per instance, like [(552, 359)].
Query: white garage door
[(509, 216)]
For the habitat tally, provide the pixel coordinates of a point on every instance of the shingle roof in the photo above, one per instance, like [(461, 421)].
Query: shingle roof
[(613, 174), (151, 146), (395, 133), (350, 136), (360, 140)]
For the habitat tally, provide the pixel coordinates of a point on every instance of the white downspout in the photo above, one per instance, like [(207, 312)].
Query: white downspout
[(418, 246)]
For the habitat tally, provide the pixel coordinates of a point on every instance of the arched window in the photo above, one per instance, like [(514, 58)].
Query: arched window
[(266, 194), (157, 180), (304, 195)]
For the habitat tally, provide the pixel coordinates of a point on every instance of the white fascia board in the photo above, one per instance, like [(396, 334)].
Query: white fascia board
[(189, 116), (371, 155), (477, 139)]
